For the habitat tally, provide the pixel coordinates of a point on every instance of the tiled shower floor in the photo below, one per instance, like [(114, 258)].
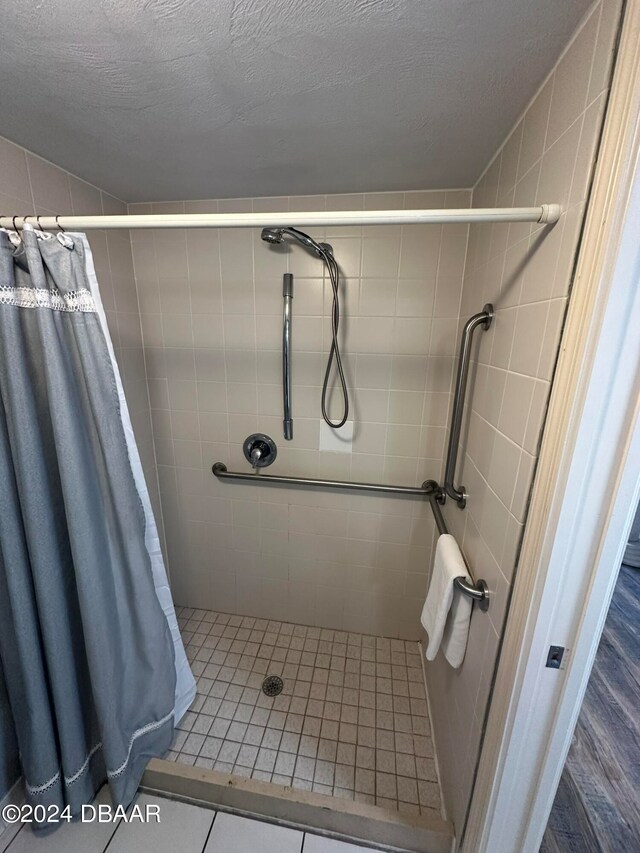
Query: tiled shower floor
[(352, 719)]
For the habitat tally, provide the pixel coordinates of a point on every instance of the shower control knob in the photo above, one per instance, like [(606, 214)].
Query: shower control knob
[(260, 450)]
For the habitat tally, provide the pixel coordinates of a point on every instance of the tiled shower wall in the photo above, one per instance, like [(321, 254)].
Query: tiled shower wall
[(526, 272), (211, 307), (31, 185)]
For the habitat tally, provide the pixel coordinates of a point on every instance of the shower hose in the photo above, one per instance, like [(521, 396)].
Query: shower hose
[(334, 352)]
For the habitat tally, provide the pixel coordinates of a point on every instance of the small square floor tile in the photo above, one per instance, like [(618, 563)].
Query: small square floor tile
[(351, 722)]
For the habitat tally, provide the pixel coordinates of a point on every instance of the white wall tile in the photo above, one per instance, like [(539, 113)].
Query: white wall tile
[(49, 184), (212, 334), (526, 271), (534, 131), (572, 77)]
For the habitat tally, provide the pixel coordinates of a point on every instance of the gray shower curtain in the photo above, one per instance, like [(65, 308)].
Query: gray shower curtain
[(85, 644)]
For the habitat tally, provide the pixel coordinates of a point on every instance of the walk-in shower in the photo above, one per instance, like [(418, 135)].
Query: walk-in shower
[(325, 252), (339, 654)]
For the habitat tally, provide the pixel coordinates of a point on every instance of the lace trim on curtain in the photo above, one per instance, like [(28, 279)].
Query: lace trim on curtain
[(138, 732), (41, 297), (69, 780)]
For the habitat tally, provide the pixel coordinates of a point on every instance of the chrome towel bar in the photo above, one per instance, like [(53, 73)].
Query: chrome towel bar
[(479, 591)]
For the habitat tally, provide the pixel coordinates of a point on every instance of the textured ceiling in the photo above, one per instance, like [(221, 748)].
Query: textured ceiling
[(168, 99)]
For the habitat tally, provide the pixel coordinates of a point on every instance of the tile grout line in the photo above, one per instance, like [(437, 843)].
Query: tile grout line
[(112, 836), (300, 757), (7, 849), (206, 841)]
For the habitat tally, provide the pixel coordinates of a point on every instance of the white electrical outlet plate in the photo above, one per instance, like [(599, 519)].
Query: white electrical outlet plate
[(336, 440)]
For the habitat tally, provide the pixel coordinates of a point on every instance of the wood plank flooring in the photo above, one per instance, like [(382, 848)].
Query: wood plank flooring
[(597, 806)]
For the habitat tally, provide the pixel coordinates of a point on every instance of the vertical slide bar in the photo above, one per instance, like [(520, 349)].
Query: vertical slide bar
[(287, 294)]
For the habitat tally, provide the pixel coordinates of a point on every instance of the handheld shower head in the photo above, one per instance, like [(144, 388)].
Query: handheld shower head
[(325, 252), (304, 240), (272, 235), (277, 235)]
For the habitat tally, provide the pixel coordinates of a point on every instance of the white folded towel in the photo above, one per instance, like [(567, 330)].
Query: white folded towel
[(446, 612)]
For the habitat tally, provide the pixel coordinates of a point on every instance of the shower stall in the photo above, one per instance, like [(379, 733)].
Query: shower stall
[(317, 583), (302, 461)]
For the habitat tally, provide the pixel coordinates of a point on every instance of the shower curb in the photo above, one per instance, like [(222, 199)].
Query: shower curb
[(305, 810)]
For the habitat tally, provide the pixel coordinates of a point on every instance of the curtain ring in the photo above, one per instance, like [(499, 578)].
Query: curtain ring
[(58, 224), (40, 224), (15, 236)]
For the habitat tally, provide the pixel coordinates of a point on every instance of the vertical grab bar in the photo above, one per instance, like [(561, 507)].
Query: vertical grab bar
[(287, 294), (483, 319)]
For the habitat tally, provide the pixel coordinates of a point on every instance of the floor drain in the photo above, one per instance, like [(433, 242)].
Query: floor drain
[(272, 685)]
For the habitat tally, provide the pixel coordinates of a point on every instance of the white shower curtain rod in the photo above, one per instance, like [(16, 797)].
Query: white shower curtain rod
[(545, 213)]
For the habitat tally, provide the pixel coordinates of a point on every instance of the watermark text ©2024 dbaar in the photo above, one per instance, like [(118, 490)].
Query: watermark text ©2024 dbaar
[(100, 813)]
